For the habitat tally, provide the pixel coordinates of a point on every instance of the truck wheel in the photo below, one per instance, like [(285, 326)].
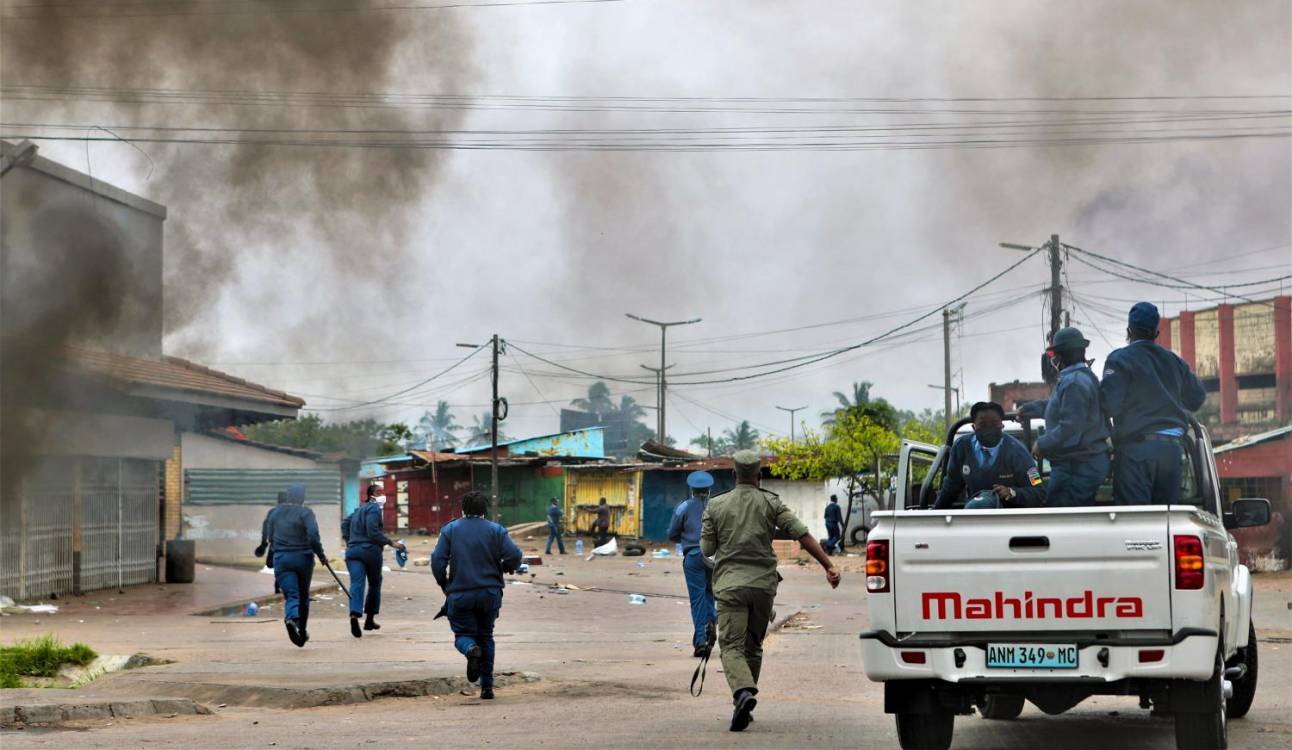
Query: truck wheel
[(1245, 688), (925, 731), (1002, 707), (1207, 730)]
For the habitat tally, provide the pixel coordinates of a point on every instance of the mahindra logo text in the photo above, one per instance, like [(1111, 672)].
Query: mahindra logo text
[(942, 605)]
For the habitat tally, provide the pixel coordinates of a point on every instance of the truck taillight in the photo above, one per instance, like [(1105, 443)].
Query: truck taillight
[(1190, 568), (877, 566)]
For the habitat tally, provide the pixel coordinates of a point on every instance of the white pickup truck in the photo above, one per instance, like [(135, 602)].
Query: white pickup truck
[(990, 608)]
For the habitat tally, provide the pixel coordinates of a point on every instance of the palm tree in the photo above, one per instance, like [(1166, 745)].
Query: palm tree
[(438, 428), (878, 410), (480, 430), (741, 438), (598, 400), (860, 397)]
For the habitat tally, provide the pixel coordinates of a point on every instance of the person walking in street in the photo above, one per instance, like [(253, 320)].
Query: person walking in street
[(554, 516), (294, 533), (684, 529), (833, 525), (365, 538), (737, 530), (603, 523), (1149, 392), (468, 563), (992, 464), (1076, 432), (265, 547)]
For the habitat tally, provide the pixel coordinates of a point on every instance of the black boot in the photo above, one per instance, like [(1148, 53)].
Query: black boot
[(354, 626), (294, 632), (473, 664), (486, 694), (745, 703), (370, 624)]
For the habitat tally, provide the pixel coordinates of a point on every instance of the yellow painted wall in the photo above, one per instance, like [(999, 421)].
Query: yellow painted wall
[(622, 490)]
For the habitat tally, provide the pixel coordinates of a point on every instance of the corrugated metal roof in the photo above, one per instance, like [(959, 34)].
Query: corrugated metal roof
[(1249, 440), (258, 486), (173, 373), (588, 442)]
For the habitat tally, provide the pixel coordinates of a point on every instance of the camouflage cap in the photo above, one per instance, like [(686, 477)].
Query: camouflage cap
[(746, 458)]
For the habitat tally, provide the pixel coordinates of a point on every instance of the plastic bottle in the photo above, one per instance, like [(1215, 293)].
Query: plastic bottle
[(251, 610), (678, 552), (578, 547)]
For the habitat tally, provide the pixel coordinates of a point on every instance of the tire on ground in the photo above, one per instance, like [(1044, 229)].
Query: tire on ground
[(633, 549), (931, 731), (1206, 730), (1245, 688), (858, 536), (1001, 707)]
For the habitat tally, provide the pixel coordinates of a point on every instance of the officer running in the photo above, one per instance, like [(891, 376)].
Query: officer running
[(1149, 392), (990, 468), (684, 529), (833, 525), (265, 548), (737, 529), (468, 564), (554, 516), (294, 533), (365, 538), (1076, 433)]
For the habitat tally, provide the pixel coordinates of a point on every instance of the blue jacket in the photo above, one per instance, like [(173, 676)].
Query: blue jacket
[(292, 526), (684, 526), (1013, 467), (1075, 427), (554, 516), (473, 553), (1148, 389), (364, 527), (833, 514)]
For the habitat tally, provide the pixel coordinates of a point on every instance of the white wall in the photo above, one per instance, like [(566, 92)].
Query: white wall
[(230, 533), (806, 499), (206, 452)]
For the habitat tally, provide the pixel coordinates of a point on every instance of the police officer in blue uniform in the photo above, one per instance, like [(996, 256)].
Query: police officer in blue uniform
[(1148, 392), (468, 563), (554, 516), (294, 533), (684, 528), (365, 538), (989, 468), (1076, 432), (833, 524)]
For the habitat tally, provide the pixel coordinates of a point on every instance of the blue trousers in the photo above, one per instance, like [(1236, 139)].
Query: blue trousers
[(1147, 473), (699, 586), (472, 615), (364, 563), (1074, 483), (554, 534), (292, 572), (834, 534)]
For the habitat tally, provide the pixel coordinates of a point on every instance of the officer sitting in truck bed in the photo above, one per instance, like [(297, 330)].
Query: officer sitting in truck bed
[(992, 464)]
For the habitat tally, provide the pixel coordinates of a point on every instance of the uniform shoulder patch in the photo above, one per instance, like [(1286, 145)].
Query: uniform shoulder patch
[(1034, 476)]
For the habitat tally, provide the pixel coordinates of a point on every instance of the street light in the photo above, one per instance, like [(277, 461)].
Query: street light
[(791, 411), (662, 386), (953, 389)]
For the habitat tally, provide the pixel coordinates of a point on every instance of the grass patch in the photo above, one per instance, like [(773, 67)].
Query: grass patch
[(40, 657)]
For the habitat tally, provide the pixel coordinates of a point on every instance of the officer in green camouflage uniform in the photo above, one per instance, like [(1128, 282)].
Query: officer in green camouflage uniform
[(737, 531)]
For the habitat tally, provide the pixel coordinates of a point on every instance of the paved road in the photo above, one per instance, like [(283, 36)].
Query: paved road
[(614, 675)]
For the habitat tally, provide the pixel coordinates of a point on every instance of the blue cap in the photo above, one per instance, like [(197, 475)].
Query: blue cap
[(699, 480), (1144, 317)]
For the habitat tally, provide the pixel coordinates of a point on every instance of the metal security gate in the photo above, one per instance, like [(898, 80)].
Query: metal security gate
[(119, 500), (36, 541)]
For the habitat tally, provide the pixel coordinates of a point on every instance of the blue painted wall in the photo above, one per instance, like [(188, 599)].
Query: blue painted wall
[(662, 491)]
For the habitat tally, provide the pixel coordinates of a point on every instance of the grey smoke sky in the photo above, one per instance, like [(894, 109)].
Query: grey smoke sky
[(555, 247)]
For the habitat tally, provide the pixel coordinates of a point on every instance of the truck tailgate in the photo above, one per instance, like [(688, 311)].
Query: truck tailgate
[(1028, 570)]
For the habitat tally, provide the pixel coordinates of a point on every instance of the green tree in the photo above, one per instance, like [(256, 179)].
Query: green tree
[(849, 449), (627, 412), (598, 400), (439, 428), (361, 438), (742, 437), (481, 433), (859, 402), (395, 438)]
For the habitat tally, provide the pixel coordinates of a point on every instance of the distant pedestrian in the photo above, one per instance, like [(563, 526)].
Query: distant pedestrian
[(603, 523), (365, 538), (737, 529), (1149, 392), (468, 564), (294, 532), (684, 529), (1076, 432), (833, 525), (554, 516)]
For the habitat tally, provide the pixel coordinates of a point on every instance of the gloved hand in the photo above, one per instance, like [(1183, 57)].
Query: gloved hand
[(260, 551)]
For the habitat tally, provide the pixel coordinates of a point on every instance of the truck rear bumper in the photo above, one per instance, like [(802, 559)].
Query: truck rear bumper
[(1186, 654)]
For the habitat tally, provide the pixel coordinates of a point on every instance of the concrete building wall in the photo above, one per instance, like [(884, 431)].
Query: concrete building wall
[(206, 452), (230, 533), (806, 499)]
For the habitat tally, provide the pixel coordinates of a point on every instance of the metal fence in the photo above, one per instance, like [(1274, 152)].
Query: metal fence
[(117, 522)]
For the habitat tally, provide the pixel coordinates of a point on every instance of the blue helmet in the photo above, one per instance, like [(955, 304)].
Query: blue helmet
[(699, 480)]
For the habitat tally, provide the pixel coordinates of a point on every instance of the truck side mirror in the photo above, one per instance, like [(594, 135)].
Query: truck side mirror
[(1246, 512)]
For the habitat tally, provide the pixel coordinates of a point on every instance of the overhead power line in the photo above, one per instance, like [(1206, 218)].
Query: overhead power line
[(1179, 282), (106, 11), (409, 389)]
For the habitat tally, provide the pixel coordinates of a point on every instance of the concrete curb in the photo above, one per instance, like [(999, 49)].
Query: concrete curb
[(260, 696), (58, 713), (233, 609)]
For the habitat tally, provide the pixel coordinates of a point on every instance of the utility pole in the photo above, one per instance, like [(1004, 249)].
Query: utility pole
[(660, 432), (659, 391), (498, 413), (1054, 248), (946, 367), (791, 411)]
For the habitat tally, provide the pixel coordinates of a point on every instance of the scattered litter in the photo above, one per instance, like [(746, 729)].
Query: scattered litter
[(662, 553), (572, 587), (385, 569), (222, 705), (853, 554), (521, 583), (251, 609), (641, 564), (609, 548), (560, 591), (422, 563), (322, 598), (636, 599)]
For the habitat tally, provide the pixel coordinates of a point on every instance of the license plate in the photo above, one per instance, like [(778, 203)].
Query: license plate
[(1031, 656)]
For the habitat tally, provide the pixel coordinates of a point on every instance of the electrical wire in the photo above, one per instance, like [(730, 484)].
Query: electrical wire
[(262, 10), (1186, 283), (399, 393)]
